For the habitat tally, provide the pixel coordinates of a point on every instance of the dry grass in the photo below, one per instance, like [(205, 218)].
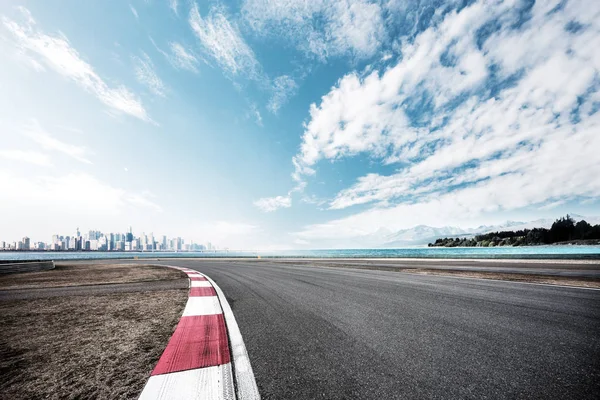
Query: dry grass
[(85, 347), (87, 274), (98, 347)]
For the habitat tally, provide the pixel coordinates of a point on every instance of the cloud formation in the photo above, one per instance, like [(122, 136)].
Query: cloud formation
[(181, 58), (269, 204), (146, 74), (58, 54), (174, 6), (28, 156), (36, 133), (493, 108), (323, 28), (284, 87), (53, 192), (221, 40), (134, 12)]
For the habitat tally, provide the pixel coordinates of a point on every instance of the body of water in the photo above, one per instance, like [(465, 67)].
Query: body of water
[(532, 252)]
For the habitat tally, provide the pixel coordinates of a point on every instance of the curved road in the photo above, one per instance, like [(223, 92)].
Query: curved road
[(337, 333)]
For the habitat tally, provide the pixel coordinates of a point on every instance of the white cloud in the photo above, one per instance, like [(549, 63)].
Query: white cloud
[(134, 11), (323, 28), (146, 75), (58, 54), (283, 88), (173, 5), (182, 58), (269, 204), (462, 151), (81, 193), (32, 157), (254, 113), (142, 200), (41, 137), (221, 39), (179, 56)]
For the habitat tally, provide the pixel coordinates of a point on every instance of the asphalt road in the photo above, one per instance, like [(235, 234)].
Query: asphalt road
[(337, 333)]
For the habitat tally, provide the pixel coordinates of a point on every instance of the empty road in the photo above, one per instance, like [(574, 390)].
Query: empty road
[(337, 333)]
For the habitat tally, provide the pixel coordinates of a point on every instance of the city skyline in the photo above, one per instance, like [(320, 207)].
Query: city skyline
[(95, 240)]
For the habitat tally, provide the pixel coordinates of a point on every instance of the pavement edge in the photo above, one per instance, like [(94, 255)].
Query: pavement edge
[(195, 364)]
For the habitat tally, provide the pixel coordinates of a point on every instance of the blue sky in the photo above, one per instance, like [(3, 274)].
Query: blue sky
[(285, 124)]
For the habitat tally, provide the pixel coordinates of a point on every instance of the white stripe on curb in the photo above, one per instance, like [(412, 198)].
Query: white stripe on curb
[(194, 384), (201, 284), (246, 388), (203, 305)]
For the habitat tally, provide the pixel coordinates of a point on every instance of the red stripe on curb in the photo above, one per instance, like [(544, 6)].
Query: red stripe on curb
[(193, 278), (202, 291), (198, 342)]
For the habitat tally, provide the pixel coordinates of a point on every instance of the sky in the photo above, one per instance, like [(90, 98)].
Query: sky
[(260, 124)]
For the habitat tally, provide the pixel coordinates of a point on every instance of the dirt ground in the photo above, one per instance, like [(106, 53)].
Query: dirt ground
[(530, 278), (87, 274), (92, 347)]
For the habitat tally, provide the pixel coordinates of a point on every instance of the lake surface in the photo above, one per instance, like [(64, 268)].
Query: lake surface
[(532, 252)]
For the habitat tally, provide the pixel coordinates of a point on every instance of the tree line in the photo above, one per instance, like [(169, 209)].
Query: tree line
[(564, 229)]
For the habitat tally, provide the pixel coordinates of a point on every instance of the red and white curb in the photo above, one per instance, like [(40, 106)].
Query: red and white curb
[(206, 357)]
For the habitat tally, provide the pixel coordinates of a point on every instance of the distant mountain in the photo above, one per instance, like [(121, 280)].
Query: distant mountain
[(423, 234), (538, 223), (419, 235)]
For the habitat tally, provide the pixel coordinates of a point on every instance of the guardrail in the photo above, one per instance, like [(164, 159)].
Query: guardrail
[(25, 266)]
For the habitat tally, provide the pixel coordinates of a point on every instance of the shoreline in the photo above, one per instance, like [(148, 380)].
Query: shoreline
[(591, 258)]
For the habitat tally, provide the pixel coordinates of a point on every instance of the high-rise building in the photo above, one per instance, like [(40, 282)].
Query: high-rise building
[(26, 243)]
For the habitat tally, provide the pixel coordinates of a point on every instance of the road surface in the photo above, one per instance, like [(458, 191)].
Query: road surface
[(337, 333)]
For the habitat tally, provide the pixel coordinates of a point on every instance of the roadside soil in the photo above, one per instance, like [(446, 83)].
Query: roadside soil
[(425, 270), (87, 274), (530, 278), (100, 346)]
